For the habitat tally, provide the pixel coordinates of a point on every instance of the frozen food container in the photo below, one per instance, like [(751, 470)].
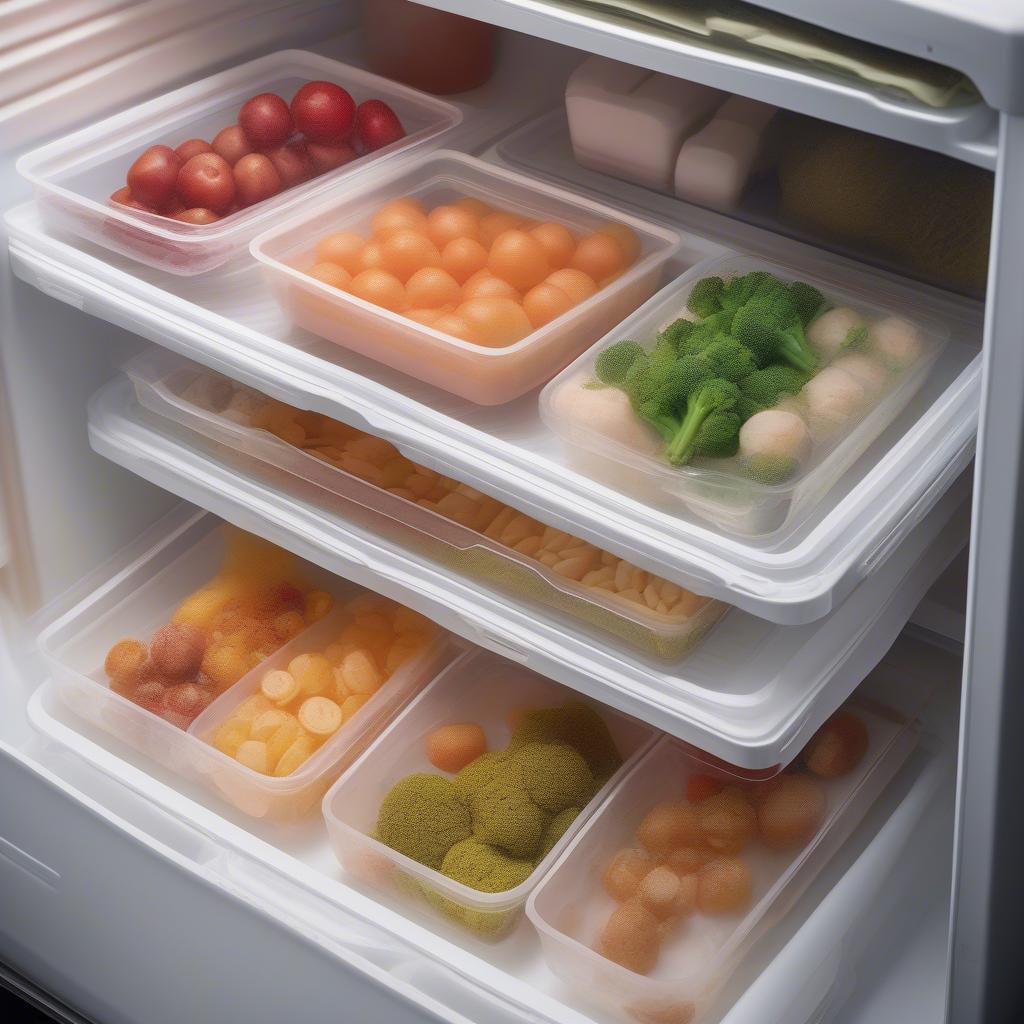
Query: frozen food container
[(74, 176), (570, 906), (138, 599), (481, 688), (486, 375), (191, 395), (724, 491)]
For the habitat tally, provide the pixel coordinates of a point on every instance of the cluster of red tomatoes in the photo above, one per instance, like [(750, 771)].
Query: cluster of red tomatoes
[(273, 146)]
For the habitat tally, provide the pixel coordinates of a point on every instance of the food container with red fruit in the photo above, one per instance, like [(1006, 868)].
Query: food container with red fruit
[(183, 183), (683, 868), (151, 604), (478, 280)]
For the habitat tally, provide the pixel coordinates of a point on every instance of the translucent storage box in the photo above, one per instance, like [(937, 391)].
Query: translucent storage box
[(571, 905), (187, 393), (137, 600), (74, 176), (724, 491), (480, 688), (481, 374)]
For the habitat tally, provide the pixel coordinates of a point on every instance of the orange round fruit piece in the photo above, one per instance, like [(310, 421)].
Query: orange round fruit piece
[(557, 241), (371, 258), (380, 288), (446, 223), (599, 256), (517, 257), (463, 257), (484, 285), (343, 248), (477, 207), (399, 215), (577, 285), (544, 303), (495, 322), (332, 274), (627, 238), (405, 252), (493, 224), (432, 287), (427, 317), (455, 325)]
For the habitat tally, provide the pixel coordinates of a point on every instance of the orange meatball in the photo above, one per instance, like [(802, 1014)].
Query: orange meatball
[(557, 242), (493, 224), (332, 274), (484, 285), (343, 248), (446, 223), (837, 747), (495, 321), (599, 256), (431, 288), (399, 215), (544, 303), (577, 285), (463, 257), (517, 257), (405, 252), (380, 288)]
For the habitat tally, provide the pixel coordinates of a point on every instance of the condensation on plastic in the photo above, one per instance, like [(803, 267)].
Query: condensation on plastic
[(481, 374), (160, 380), (717, 490), (570, 905), (478, 687), (137, 600), (74, 176)]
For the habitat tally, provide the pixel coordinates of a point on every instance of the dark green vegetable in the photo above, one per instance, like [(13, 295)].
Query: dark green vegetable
[(615, 362), (710, 425), (763, 388), (706, 296)]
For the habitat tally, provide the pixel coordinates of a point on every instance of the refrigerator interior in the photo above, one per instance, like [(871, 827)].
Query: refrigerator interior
[(67, 511)]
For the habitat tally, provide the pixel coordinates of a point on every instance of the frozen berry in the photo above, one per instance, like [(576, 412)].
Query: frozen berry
[(837, 747), (177, 650)]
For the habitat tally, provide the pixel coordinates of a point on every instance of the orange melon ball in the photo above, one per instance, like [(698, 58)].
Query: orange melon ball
[(493, 224), (724, 886), (477, 207), (405, 252), (544, 303), (598, 256), (667, 826), (623, 873), (495, 321), (427, 317), (403, 214), (484, 285), (451, 747), (380, 288), (627, 238), (431, 288), (837, 747), (446, 223), (557, 241), (576, 284), (372, 257), (463, 257), (343, 248), (332, 274), (457, 326), (792, 812), (517, 257)]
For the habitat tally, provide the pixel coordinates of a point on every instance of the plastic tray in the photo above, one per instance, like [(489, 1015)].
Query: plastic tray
[(717, 490), (161, 380), (570, 905), (479, 687), (74, 176), (488, 376), (137, 600)]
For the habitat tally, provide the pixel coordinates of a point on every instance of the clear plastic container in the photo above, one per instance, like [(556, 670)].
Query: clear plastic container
[(481, 374), (719, 490), (482, 688), (136, 601), (74, 176), (162, 381), (570, 906)]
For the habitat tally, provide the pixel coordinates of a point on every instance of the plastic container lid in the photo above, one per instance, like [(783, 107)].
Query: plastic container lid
[(482, 374), (724, 491), (74, 176)]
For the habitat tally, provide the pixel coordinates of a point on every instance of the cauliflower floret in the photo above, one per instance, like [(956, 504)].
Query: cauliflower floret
[(866, 370), (896, 341), (833, 398), (607, 411), (774, 443), (827, 333)]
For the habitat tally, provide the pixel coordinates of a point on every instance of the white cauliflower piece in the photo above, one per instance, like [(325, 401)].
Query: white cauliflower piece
[(833, 399), (827, 332), (774, 443), (866, 370), (897, 342), (607, 411)]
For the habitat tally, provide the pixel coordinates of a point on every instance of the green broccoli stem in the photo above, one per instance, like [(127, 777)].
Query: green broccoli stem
[(795, 350), (678, 449)]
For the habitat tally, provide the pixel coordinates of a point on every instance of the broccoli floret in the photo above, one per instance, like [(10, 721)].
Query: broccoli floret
[(555, 775), (706, 296), (705, 332), (727, 358), (677, 332), (423, 817), (615, 362), (719, 436), (578, 725), (808, 302), (478, 773), (504, 815), (713, 397), (763, 388), (856, 339), (484, 868), (769, 326), (559, 826), (742, 288)]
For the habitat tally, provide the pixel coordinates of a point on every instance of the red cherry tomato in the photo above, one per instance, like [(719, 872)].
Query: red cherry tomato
[(266, 121), (256, 179), (377, 125), (124, 197), (232, 144), (191, 148), (153, 177), (197, 215), (323, 112), (326, 158), (206, 181), (292, 163)]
